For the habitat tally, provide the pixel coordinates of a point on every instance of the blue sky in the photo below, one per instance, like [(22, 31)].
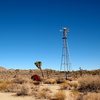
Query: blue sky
[(29, 31)]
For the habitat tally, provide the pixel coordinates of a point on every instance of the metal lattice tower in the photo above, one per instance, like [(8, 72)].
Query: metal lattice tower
[(65, 63)]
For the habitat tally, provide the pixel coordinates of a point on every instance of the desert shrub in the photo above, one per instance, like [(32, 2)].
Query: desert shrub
[(75, 92), (74, 84), (69, 85), (44, 93), (24, 90), (64, 86), (19, 80), (60, 80), (50, 81), (4, 85), (60, 95), (91, 96), (36, 82), (46, 89), (89, 84), (75, 95), (13, 87), (5, 81), (34, 90)]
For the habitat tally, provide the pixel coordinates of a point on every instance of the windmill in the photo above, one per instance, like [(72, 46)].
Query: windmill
[(65, 62)]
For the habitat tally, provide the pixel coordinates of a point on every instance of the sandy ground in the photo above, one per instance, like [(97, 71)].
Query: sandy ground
[(55, 88), (11, 96)]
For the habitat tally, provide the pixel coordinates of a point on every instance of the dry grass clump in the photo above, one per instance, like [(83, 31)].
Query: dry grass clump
[(4, 85), (24, 90), (60, 80), (9, 86), (89, 84), (19, 80), (75, 92), (46, 89), (13, 88), (74, 85), (50, 81), (76, 95), (65, 85), (36, 82), (69, 85), (43, 93), (60, 95), (34, 90), (91, 96)]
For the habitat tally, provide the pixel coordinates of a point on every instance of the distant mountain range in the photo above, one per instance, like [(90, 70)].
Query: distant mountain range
[(2, 69)]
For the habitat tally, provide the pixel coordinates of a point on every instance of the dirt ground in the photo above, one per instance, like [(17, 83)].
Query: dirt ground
[(11, 96)]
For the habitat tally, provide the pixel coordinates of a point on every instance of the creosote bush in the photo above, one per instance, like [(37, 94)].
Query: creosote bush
[(4, 85), (76, 95), (24, 90), (60, 95), (91, 96), (50, 81), (19, 80), (89, 84), (64, 86), (43, 93), (74, 85)]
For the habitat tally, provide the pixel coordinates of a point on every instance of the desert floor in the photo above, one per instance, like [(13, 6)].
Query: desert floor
[(18, 85), (11, 96)]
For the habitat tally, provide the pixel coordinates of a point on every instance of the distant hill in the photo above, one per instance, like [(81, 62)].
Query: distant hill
[(2, 69)]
